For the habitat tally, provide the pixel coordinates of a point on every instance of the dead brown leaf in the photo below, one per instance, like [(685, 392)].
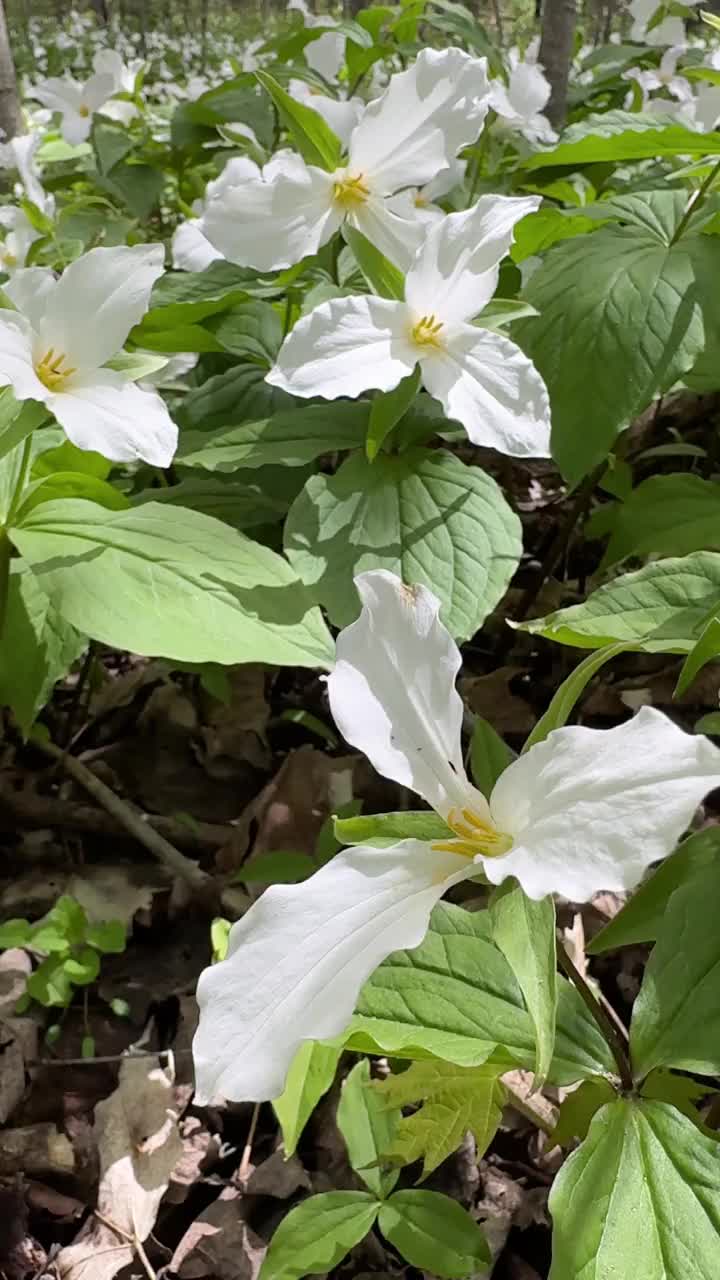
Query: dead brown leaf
[(139, 1146), (18, 1045), (491, 696), (235, 731), (219, 1243)]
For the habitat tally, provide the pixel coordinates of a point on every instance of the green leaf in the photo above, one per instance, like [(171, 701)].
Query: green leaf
[(15, 933), (383, 277), (136, 364), (681, 1091), (311, 1074), (367, 1124), (251, 329), (387, 409), (676, 1016), (489, 756), (241, 394), (17, 421), (659, 609), (434, 1233), (622, 135), (83, 966), (277, 866), (227, 498), (407, 824), (188, 297), (706, 649), (425, 516), (67, 917), (50, 984), (640, 1197), (139, 186), (455, 1101), (641, 312), (171, 582), (38, 648), (524, 930), (573, 686), (455, 997), (71, 484), (317, 1234), (298, 436), (642, 917), (194, 124), (110, 937), (577, 1110), (312, 136), (111, 144), (667, 516)]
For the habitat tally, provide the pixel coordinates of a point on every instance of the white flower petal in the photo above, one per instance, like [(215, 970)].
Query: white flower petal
[(456, 270), (397, 236), (97, 90), (238, 169), (75, 128), (191, 250), (417, 126), (97, 300), (59, 94), (341, 115), (488, 384), (16, 358), (344, 347), (392, 692), (299, 957), (326, 54), (272, 222), (108, 413), (29, 290), (591, 809)]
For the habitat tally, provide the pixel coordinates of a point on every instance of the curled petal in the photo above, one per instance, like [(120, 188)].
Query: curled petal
[(16, 358), (392, 692), (191, 249), (488, 384), (344, 347), (297, 961), (392, 226), (105, 412), (591, 809)]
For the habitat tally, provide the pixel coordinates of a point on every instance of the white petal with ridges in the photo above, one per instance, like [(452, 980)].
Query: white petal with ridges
[(392, 692), (396, 231), (96, 302), (299, 957), (591, 809), (106, 412), (16, 358), (191, 250), (456, 270), (29, 291), (488, 384), (344, 347)]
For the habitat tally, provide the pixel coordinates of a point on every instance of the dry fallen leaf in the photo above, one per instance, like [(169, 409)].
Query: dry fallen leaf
[(18, 1044), (139, 1145), (219, 1243)]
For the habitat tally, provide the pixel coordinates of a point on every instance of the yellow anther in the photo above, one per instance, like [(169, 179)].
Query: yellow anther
[(426, 332), (420, 202), (350, 192), (475, 836), (84, 111), (53, 371), (8, 259)]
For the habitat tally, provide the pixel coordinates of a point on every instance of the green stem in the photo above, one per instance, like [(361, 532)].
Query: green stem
[(5, 553), (610, 1032), (694, 203), (5, 543), (20, 481)]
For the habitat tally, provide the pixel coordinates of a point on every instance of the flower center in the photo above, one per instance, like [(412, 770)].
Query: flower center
[(475, 836), (8, 259), (350, 192), (84, 111), (53, 371), (426, 333)]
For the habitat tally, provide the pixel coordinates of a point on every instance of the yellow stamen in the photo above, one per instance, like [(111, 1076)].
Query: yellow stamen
[(52, 370), (476, 836), (426, 333), (350, 192), (84, 111), (8, 259)]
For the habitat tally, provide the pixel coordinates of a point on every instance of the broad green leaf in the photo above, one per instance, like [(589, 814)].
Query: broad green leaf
[(70, 484), (241, 394), (705, 649), (428, 517), (573, 686), (15, 933), (188, 297), (455, 997), (387, 409), (524, 930), (194, 124), (316, 1235), (297, 437), (538, 231), (681, 1091), (312, 136), (659, 609), (368, 1125), (667, 516), (622, 135), (136, 364), (18, 420), (171, 582), (383, 277), (641, 918), (82, 966), (676, 1016), (641, 312), (277, 866), (251, 329), (228, 498), (139, 186), (455, 1101), (111, 144), (110, 936), (640, 1198), (489, 756), (51, 985), (38, 647), (434, 1233), (311, 1074), (577, 1110), (407, 824)]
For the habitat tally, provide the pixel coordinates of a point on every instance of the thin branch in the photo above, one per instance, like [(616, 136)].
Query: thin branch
[(608, 1029)]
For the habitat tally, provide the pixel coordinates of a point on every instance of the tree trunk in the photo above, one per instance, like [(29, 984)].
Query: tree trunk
[(556, 45), (10, 114)]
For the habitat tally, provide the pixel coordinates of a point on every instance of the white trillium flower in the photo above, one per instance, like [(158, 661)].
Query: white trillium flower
[(341, 114), (19, 153), (77, 102), (585, 810), (405, 137), (109, 62), (348, 345), (520, 103), (326, 54), (664, 77), (669, 31), (19, 235), (191, 250), (54, 346), (419, 202)]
